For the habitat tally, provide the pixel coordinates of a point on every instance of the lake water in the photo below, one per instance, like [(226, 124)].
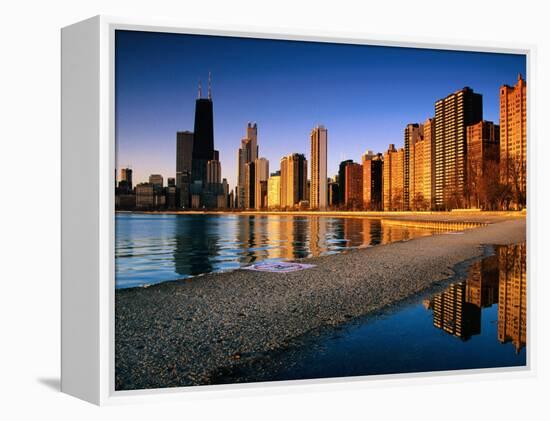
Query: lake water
[(476, 321), (155, 248)]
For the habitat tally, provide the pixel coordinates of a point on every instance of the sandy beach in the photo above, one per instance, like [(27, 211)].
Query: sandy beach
[(188, 332)]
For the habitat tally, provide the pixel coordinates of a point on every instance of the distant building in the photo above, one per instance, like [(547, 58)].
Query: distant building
[(393, 179), (145, 196), (513, 138), (248, 152), (482, 172), (319, 194), (125, 201), (203, 137), (249, 185), (353, 197), (171, 182), (452, 115), (171, 197), (413, 134), (157, 181), (274, 190), (293, 180), (184, 159), (333, 193), (342, 181), (261, 173), (372, 180), (213, 172), (429, 163), (125, 184), (421, 168)]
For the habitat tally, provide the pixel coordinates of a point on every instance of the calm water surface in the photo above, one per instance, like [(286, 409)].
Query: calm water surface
[(155, 248), (478, 321)]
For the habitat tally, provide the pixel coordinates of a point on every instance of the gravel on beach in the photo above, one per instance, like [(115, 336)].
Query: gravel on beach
[(188, 332)]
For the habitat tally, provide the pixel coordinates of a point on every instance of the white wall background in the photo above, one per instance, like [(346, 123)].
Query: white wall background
[(30, 222)]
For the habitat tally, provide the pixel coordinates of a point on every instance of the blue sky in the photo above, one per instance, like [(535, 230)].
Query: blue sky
[(364, 95)]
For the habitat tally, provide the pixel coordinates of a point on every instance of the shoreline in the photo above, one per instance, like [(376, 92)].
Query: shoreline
[(440, 216), (187, 332)]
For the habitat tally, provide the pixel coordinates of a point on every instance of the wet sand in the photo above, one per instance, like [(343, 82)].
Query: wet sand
[(189, 332)]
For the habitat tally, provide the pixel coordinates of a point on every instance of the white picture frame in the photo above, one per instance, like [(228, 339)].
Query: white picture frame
[(88, 168)]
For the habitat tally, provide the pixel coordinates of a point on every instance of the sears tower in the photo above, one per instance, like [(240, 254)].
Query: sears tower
[(203, 139)]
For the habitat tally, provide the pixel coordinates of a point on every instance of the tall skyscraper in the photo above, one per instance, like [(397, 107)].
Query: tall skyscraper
[(126, 183), (413, 134), (393, 179), (293, 180), (203, 136), (353, 196), (274, 191), (261, 176), (452, 115), (513, 138), (342, 181), (372, 180), (319, 139), (248, 152), (249, 185), (482, 172), (184, 160), (429, 163)]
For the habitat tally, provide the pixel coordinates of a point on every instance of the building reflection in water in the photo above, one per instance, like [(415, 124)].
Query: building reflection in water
[(512, 296), (192, 252), (500, 279), (203, 245)]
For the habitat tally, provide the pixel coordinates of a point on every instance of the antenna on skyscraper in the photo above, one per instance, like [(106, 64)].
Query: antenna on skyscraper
[(200, 89), (209, 85)]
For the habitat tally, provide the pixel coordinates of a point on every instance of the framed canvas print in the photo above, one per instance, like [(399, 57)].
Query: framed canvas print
[(242, 208)]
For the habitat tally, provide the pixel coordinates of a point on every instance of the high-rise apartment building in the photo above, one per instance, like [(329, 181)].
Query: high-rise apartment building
[(342, 181), (184, 160), (513, 138), (274, 190), (261, 170), (372, 180), (428, 173), (482, 171), (319, 194), (413, 133), (421, 168), (353, 196), (393, 179), (452, 115), (293, 180)]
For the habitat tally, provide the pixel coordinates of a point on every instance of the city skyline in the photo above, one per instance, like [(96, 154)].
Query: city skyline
[(155, 102)]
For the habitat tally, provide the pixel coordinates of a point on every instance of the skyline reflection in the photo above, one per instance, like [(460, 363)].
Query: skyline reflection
[(169, 247), (499, 279)]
